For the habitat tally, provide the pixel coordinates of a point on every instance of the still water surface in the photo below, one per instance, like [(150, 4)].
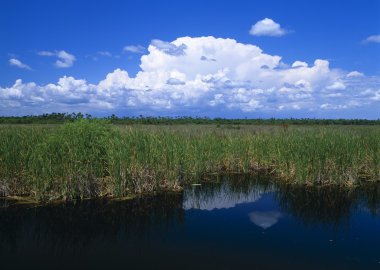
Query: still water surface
[(234, 224)]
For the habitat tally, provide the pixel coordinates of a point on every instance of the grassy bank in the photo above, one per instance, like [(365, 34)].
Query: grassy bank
[(90, 158)]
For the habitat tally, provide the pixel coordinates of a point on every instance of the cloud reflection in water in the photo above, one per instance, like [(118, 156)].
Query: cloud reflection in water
[(265, 219)]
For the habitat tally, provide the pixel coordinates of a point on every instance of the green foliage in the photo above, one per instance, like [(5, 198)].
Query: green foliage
[(93, 158), (73, 161)]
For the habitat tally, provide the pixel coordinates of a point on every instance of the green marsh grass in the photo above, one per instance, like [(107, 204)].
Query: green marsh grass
[(93, 158)]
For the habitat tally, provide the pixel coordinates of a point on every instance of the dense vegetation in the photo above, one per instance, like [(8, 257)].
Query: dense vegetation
[(92, 158), (58, 118)]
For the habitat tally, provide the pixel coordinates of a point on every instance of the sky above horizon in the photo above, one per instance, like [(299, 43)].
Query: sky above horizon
[(309, 59)]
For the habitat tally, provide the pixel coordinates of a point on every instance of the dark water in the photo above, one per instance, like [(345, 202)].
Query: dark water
[(238, 224)]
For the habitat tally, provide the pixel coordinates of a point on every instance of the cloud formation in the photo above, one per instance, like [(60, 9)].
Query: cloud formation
[(221, 198), (17, 63), (267, 27), (65, 59), (374, 39), (169, 48), (265, 219), (355, 73), (134, 49), (177, 79)]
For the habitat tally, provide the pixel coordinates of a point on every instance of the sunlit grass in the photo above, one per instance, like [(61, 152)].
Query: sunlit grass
[(91, 158)]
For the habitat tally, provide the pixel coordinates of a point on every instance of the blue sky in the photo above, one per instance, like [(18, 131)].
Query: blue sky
[(238, 58)]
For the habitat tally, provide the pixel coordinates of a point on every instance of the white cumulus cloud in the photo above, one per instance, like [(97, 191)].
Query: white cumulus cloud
[(298, 64), (355, 73), (17, 63), (65, 59), (267, 27), (175, 79), (336, 86)]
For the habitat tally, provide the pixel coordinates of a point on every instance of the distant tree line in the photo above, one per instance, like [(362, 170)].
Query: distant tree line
[(57, 118), (46, 118)]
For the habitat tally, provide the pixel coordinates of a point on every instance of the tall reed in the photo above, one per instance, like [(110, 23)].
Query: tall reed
[(92, 158)]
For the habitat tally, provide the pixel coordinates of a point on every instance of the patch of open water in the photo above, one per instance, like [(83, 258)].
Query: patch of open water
[(233, 224)]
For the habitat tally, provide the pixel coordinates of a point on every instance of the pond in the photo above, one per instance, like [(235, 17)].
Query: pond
[(235, 223)]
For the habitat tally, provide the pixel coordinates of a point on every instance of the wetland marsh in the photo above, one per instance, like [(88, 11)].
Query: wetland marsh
[(93, 158), (91, 194)]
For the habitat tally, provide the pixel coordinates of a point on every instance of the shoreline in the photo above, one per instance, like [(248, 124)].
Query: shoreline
[(32, 202)]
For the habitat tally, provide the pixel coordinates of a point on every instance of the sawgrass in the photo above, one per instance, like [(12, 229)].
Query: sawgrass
[(93, 158)]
